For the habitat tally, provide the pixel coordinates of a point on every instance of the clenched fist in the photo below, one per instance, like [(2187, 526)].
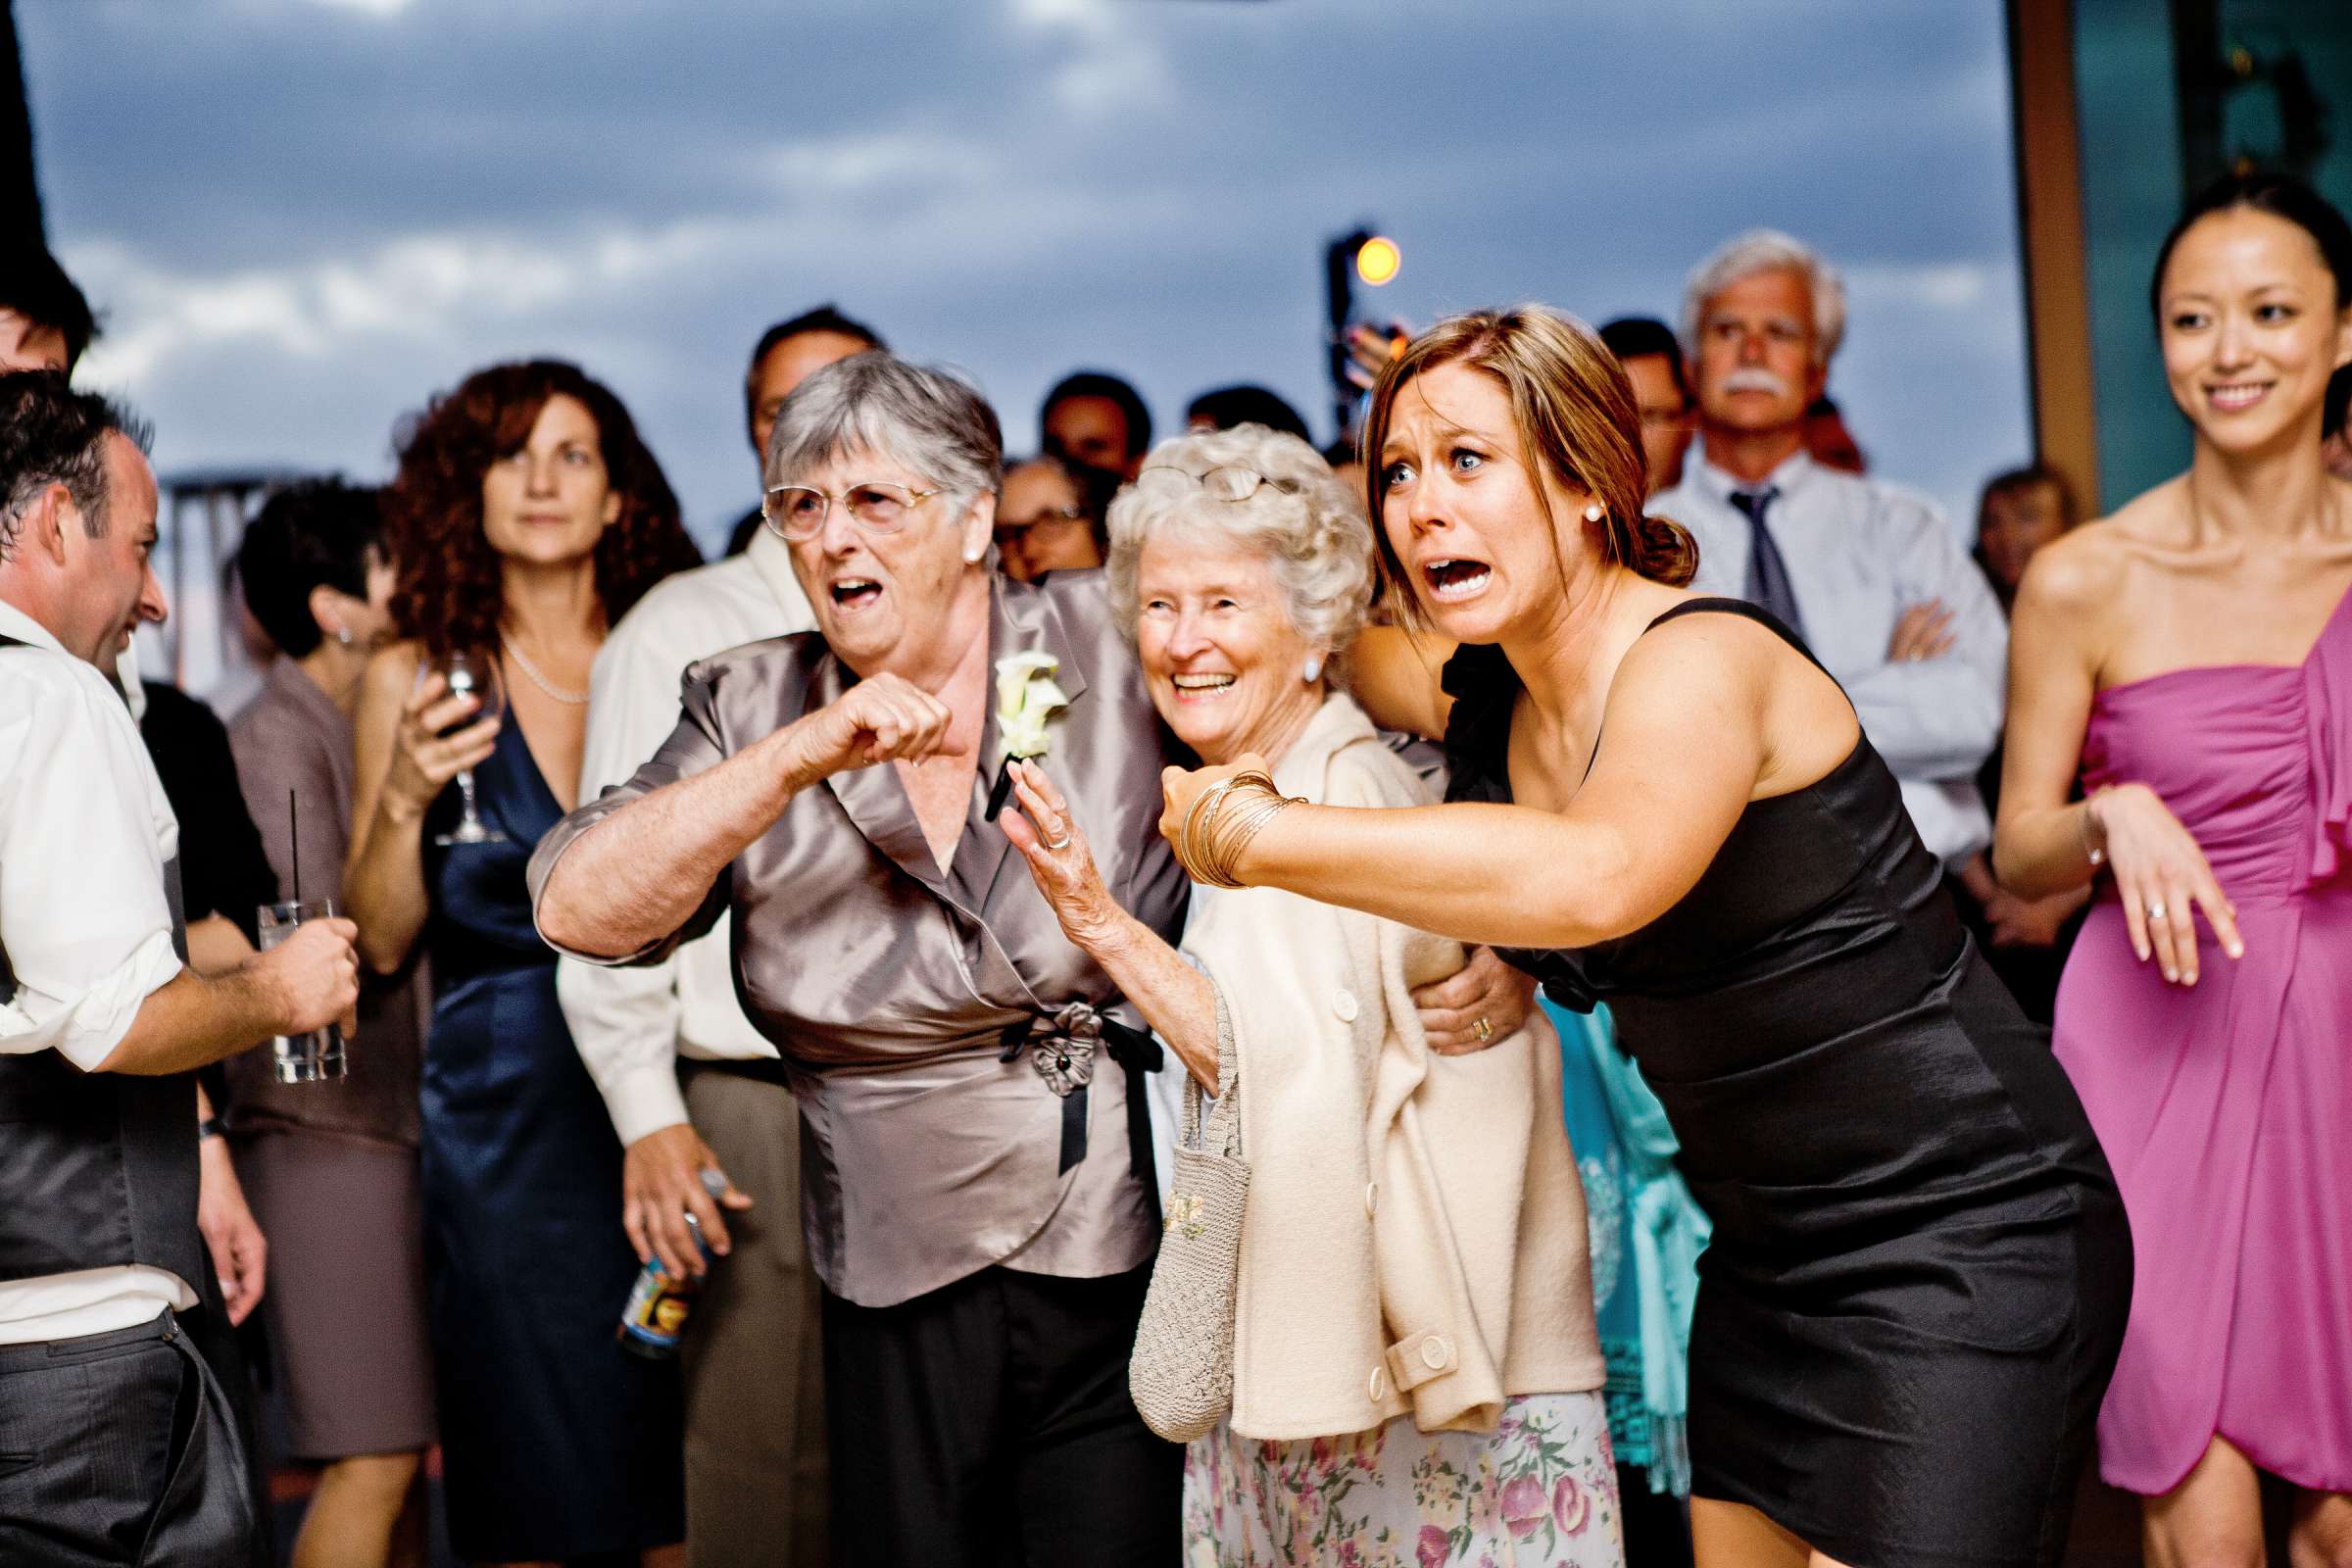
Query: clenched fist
[(879, 719)]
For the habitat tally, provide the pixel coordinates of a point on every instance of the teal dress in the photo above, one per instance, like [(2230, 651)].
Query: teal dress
[(1648, 1233)]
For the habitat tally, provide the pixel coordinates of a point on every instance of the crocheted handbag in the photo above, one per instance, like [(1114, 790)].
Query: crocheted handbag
[(1181, 1374)]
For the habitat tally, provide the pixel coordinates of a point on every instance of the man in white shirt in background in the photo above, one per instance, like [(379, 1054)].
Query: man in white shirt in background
[(100, 1027), (755, 1465), (1869, 574)]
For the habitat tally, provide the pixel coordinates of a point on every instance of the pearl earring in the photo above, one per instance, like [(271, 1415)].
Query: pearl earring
[(343, 635), (972, 555), (1313, 669), (1595, 513)]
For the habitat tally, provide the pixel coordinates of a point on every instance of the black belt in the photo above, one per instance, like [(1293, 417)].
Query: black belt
[(1063, 1046)]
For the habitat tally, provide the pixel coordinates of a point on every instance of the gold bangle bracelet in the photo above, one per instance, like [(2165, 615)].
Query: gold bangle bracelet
[(1216, 834), (1227, 870), (1201, 819)]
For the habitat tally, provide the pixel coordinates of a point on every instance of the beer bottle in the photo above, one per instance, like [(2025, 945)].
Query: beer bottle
[(659, 1304)]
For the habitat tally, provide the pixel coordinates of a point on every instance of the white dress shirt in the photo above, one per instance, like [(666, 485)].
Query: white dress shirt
[(632, 1024), (1859, 552), (85, 833)]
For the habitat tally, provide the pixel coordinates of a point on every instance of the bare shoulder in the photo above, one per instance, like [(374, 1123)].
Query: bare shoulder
[(1711, 675), (2082, 571), (1399, 676), (1717, 652), (392, 673)]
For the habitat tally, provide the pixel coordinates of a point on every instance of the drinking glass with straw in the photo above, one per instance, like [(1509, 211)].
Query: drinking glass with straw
[(316, 1056)]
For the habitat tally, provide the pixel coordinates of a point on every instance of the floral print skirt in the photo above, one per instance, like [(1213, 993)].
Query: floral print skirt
[(1541, 1489)]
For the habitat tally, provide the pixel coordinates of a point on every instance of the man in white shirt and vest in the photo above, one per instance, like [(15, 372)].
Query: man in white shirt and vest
[(1869, 574), (755, 1466), (115, 1440)]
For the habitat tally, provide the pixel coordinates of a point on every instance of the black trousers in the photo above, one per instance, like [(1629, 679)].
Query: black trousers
[(119, 1448), (986, 1425)]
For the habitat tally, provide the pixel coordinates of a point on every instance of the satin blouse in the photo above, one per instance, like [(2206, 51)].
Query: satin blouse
[(898, 996)]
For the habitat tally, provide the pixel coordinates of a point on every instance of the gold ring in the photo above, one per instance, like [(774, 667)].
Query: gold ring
[(1482, 1029)]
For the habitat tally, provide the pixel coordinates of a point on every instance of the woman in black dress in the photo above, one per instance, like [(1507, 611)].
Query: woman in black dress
[(1919, 1268)]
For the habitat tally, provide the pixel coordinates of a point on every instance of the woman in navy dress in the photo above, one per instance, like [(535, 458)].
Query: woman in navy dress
[(527, 517)]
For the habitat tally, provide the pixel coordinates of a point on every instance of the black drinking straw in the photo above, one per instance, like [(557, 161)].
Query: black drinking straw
[(294, 844)]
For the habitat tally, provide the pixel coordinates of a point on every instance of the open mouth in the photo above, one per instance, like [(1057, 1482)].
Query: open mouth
[(2237, 396), (1203, 688), (1453, 579), (856, 593)]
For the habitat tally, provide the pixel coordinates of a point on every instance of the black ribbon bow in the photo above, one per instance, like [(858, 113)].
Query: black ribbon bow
[(1063, 1046)]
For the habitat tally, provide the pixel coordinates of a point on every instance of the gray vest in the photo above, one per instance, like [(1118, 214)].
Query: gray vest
[(95, 1168)]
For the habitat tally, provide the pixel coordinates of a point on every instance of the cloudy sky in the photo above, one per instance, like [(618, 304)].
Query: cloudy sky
[(303, 217)]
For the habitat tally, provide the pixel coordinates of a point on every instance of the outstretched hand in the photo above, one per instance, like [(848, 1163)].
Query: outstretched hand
[(1371, 348), (1043, 828)]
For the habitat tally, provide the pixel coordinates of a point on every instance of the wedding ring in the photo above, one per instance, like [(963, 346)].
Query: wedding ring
[(2156, 910), (1482, 1029), (1061, 843)]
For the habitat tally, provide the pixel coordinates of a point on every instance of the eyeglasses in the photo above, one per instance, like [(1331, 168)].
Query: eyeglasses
[(1010, 528), (1223, 485), (798, 512)]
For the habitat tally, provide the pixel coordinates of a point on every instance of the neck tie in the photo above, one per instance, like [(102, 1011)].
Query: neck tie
[(1768, 582)]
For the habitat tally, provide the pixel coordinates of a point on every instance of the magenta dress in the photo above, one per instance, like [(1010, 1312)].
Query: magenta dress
[(2226, 1110)]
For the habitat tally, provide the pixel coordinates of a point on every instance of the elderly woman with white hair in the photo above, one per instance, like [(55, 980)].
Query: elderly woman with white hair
[(1416, 1366)]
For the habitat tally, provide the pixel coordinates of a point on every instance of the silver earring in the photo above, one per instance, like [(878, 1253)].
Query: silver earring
[(1595, 513), (1313, 669), (343, 635)]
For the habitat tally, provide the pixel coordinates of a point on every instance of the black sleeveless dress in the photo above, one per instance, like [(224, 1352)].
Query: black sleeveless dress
[(1920, 1270)]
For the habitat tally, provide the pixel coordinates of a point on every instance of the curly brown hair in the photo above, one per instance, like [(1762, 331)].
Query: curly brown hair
[(448, 592)]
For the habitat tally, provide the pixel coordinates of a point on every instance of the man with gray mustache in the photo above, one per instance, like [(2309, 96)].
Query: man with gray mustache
[(1869, 574)]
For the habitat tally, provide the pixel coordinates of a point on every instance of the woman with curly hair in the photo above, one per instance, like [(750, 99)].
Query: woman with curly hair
[(526, 518)]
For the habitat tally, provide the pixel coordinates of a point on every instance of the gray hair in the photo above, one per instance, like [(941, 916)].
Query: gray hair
[(1767, 250), (926, 419), (1310, 527)]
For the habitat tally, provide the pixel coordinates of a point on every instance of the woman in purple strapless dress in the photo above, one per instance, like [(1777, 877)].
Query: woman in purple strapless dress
[(2188, 661)]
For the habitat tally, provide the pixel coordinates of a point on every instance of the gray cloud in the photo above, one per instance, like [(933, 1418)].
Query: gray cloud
[(305, 217)]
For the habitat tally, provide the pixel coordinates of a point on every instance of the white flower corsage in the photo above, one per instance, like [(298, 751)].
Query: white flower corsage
[(1026, 697)]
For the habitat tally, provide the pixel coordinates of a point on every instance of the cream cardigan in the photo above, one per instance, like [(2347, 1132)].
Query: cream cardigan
[(1415, 1236)]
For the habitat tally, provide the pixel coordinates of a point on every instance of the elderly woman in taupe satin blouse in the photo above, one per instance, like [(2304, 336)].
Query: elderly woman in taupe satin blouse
[(978, 1193), (978, 1200)]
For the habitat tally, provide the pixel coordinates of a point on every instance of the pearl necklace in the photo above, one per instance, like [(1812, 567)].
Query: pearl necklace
[(531, 674)]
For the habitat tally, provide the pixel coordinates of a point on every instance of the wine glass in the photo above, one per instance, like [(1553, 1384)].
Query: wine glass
[(470, 673)]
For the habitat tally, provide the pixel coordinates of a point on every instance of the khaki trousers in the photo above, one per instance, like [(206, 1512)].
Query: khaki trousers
[(757, 1474)]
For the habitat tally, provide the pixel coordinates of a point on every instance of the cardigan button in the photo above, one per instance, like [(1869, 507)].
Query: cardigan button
[(1371, 1198), (1436, 1352), (1343, 1003), (1380, 1384)]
